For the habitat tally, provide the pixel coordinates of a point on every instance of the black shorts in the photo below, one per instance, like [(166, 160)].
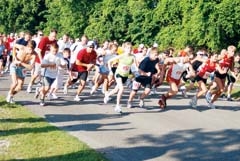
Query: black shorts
[(230, 79), (124, 79), (198, 78), (82, 76), (184, 74), (10, 58), (113, 69), (220, 76), (145, 81)]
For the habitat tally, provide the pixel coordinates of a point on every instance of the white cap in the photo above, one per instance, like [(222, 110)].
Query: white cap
[(90, 44), (200, 53), (155, 45), (141, 45)]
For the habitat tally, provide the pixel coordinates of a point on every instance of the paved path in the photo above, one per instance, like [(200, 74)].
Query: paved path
[(178, 133)]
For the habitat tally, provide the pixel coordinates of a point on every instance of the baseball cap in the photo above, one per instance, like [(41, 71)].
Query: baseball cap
[(155, 44), (90, 44), (141, 46)]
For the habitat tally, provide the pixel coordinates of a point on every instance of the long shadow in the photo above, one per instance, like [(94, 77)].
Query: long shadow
[(83, 117), (22, 120), (182, 145), (77, 127), (96, 127), (19, 131), (84, 155)]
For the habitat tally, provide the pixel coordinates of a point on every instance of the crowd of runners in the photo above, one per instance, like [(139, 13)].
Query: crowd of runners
[(115, 67)]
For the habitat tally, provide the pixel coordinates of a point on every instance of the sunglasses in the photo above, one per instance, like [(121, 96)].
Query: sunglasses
[(40, 34)]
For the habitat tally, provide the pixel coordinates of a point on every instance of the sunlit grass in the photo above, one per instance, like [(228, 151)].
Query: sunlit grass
[(24, 136)]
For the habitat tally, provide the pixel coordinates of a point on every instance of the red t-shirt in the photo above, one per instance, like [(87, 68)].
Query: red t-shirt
[(84, 57), (10, 42), (44, 45), (7, 45), (226, 62), (207, 69)]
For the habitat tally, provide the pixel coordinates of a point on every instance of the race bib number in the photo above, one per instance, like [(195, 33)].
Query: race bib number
[(126, 68), (24, 72), (136, 85), (74, 75)]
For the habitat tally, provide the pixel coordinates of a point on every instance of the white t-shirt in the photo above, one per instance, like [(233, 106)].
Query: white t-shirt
[(178, 69), (51, 59), (63, 45), (76, 48)]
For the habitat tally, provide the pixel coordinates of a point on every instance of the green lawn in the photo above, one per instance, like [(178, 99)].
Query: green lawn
[(24, 136)]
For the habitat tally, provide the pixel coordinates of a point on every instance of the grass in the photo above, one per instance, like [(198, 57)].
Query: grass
[(236, 93), (24, 136)]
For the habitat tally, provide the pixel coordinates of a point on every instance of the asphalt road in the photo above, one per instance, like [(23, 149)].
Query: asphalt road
[(178, 133)]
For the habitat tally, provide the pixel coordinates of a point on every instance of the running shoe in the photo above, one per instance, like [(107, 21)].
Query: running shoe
[(29, 89), (42, 103), (162, 102), (211, 105), (92, 90), (129, 104), (52, 96), (37, 92), (77, 98), (208, 97), (8, 98), (229, 99), (141, 103), (106, 98), (153, 91), (193, 102), (118, 109), (184, 93)]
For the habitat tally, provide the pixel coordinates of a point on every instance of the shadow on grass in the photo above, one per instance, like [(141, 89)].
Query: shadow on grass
[(182, 145), (22, 120), (82, 125), (19, 131), (84, 155)]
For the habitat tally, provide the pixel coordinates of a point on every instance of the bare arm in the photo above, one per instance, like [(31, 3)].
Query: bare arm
[(30, 65), (39, 54)]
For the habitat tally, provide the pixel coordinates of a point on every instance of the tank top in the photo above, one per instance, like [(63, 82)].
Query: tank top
[(124, 65)]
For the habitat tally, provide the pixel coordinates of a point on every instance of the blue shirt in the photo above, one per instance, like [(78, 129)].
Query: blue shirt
[(148, 65)]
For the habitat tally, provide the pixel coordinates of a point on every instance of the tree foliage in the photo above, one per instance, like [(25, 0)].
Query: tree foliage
[(210, 23)]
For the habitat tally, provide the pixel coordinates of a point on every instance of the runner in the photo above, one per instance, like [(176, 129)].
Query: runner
[(42, 49), (123, 69), (177, 66), (86, 60), (50, 64), (209, 66), (226, 63), (149, 71), (23, 60)]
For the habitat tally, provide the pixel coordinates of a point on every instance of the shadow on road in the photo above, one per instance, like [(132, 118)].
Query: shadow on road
[(185, 145)]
